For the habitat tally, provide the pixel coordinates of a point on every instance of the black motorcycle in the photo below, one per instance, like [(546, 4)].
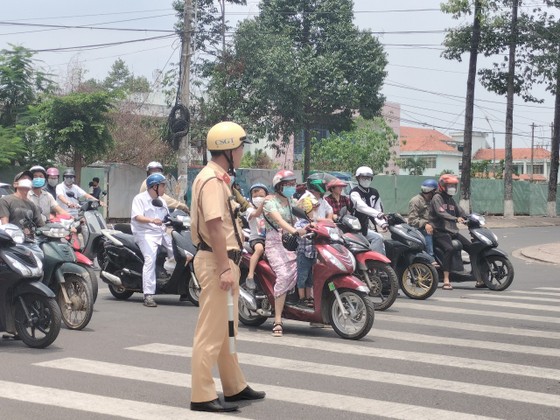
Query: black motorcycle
[(28, 308), (486, 261), (123, 261), (418, 278)]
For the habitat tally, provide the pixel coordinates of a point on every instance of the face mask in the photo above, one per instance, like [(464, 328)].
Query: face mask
[(451, 190), (364, 183), (38, 182), (69, 181), (53, 182), (257, 201), (25, 183), (288, 191)]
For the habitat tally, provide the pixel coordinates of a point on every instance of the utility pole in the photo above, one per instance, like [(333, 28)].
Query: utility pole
[(184, 97), (532, 149), (493, 149)]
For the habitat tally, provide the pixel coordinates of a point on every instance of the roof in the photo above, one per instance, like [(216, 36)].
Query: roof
[(518, 154), (413, 139)]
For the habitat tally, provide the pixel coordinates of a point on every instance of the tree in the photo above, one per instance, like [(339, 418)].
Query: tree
[(415, 166), (258, 160), (21, 83), (120, 78), (75, 127), (11, 146), (302, 66), (480, 169), (368, 144)]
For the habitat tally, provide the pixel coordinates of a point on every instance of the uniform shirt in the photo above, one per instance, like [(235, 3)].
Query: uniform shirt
[(142, 206), (44, 201), (324, 208), (15, 209), (444, 213), (209, 201), (418, 211), (170, 201), (62, 189), (367, 205)]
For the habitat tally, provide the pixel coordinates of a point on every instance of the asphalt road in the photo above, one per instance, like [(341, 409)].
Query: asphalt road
[(461, 354)]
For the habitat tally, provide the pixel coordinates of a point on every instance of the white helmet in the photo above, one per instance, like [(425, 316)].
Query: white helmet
[(364, 171), (154, 165)]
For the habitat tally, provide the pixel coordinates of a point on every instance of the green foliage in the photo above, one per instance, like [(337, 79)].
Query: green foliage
[(367, 144), (11, 146), (75, 124), (120, 78), (481, 169), (415, 166), (257, 160), (21, 83)]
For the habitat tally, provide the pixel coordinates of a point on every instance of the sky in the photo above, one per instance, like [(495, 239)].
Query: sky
[(430, 89)]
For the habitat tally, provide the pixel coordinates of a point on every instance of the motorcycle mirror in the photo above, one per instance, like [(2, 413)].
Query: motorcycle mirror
[(296, 211), (70, 194), (103, 193), (342, 212), (156, 202)]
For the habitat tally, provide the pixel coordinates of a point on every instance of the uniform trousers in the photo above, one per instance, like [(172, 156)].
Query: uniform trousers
[(210, 345)]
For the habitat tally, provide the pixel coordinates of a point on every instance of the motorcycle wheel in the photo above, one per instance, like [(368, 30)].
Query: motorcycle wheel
[(497, 272), (246, 316), (120, 292), (94, 282), (77, 313), (44, 326), (360, 318), (384, 284), (193, 291), (419, 280)]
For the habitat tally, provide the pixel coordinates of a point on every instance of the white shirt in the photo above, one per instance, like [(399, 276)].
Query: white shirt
[(44, 201), (324, 208), (142, 206), (62, 189), (256, 224)]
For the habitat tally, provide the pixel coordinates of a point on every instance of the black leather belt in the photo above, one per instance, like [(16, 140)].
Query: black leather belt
[(232, 254)]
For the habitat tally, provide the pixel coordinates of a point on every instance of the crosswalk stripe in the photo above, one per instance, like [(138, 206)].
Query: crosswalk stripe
[(98, 404), (460, 342), (382, 317), (292, 395), (500, 303), (369, 375), (508, 296), (554, 289), (408, 356), (426, 306), (533, 292)]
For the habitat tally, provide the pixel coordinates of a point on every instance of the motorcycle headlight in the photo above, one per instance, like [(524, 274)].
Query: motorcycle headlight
[(483, 238), (55, 232)]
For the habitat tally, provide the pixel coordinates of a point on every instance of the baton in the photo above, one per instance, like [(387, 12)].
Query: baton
[(231, 331)]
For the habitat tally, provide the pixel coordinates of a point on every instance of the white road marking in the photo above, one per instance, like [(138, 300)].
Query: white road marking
[(370, 375), (339, 402), (506, 297), (499, 303), (531, 292), (98, 404)]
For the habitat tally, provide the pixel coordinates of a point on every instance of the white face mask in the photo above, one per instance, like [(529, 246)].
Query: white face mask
[(53, 182), (451, 190), (364, 183), (257, 201), (25, 183)]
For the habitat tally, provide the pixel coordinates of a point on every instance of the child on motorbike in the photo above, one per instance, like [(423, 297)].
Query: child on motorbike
[(257, 194), (306, 254)]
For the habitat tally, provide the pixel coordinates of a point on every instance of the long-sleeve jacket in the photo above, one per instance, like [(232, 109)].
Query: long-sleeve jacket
[(444, 213), (418, 211)]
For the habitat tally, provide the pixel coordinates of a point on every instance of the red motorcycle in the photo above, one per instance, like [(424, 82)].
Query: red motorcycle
[(340, 298)]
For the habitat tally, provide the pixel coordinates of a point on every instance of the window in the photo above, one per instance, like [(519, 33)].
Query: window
[(538, 169), (430, 161)]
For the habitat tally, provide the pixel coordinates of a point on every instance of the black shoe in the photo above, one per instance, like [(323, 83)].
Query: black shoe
[(214, 406), (184, 298), (247, 394)]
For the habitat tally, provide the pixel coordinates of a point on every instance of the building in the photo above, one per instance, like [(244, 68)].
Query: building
[(521, 160)]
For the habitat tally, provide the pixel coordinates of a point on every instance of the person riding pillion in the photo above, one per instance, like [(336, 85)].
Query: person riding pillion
[(157, 168), (419, 212), (216, 231), (367, 206), (149, 231), (71, 204)]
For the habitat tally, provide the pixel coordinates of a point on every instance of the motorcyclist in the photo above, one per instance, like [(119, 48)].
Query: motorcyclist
[(71, 204), (368, 206), (157, 168), (419, 209), (336, 199), (443, 216), (317, 188), (149, 231), (41, 198), (52, 181)]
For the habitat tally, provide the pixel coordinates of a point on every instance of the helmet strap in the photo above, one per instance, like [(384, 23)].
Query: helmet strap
[(229, 158)]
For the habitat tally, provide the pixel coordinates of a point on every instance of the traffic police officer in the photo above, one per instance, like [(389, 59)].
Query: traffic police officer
[(217, 233)]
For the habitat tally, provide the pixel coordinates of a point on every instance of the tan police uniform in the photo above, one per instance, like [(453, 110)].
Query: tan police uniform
[(210, 346)]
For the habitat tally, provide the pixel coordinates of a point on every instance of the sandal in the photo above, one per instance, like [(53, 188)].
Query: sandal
[(310, 302), (447, 286), (480, 285), (277, 329)]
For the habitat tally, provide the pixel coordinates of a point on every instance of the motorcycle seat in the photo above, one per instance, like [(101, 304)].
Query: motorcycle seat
[(128, 241), (123, 227)]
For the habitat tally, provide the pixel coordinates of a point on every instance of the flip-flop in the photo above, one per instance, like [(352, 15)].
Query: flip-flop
[(277, 329), (447, 287)]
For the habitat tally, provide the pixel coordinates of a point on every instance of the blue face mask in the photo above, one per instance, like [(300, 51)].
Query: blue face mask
[(288, 191), (38, 182)]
